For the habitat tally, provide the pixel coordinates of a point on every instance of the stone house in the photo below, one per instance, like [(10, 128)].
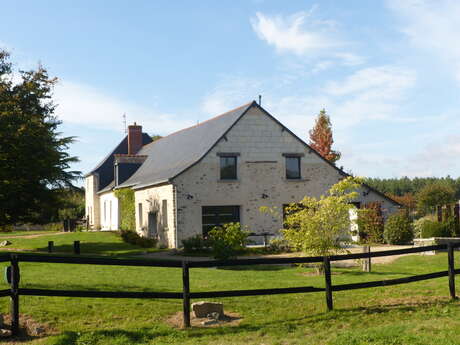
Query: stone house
[(221, 170)]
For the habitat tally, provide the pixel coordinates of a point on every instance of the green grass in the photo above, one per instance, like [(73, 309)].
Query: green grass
[(23, 233), (416, 313), (104, 243)]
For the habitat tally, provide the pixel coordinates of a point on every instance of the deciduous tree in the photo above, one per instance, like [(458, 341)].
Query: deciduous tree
[(316, 226), (433, 195), (321, 137)]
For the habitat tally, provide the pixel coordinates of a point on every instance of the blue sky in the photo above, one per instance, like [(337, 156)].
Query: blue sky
[(387, 72)]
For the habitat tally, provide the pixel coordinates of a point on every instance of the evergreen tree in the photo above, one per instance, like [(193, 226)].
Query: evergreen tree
[(34, 163), (321, 137)]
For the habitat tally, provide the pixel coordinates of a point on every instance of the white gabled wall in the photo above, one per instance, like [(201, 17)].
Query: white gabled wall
[(160, 199), (260, 141), (109, 211), (92, 200)]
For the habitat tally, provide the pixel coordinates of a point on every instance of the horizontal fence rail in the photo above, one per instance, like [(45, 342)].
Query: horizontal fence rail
[(99, 294), (186, 295)]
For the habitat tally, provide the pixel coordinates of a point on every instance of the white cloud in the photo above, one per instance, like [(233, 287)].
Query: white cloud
[(303, 35), (297, 34), (87, 106), (389, 81), (432, 26)]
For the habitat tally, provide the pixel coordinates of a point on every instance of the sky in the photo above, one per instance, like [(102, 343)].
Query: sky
[(387, 72)]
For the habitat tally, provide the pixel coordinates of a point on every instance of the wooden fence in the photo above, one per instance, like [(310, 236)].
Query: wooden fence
[(186, 295)]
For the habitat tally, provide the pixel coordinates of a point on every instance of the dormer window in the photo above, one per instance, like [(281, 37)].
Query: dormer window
[(228, 168)]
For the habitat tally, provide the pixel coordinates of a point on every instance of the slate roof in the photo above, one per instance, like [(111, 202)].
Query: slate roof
[(171, 155), (105, 167)]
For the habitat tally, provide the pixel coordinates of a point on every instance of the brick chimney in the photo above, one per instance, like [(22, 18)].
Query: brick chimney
[(134, 139)]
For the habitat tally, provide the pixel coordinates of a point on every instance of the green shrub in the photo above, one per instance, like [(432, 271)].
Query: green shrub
[(227, 240), (398, 229), (127, 208), (6, 228), (279, 245), (195, 244), (55, 226), (433, 228), (419, 224), (370, 223), (132, 237)]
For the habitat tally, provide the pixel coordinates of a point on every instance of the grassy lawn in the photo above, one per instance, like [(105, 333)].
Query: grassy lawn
[(416, 313), (23, 233), (104, 243)]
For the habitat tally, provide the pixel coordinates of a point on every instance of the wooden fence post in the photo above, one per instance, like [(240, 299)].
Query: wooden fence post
[(76, 247), (186, 294), (50, 246), (367, 261), (450, 258), (15, 276), (327, 277)]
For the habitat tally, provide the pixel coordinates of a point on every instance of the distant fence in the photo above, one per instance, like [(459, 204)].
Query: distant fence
[(186, 295)]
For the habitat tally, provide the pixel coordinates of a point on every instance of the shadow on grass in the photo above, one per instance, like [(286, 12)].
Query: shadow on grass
[(112, 336), (147, 335), (290, 324)]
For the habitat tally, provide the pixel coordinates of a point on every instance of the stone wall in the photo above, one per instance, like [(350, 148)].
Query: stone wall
[(261, 142), (159, 199)]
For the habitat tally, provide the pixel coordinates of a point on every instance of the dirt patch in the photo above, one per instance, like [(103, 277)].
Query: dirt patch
[(29, 329), (316, 274), (228, 319)]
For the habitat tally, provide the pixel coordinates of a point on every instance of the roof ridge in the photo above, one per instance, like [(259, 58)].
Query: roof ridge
[(199, 124)]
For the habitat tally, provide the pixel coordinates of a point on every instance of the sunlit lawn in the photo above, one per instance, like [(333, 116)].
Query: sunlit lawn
[(416, 313)]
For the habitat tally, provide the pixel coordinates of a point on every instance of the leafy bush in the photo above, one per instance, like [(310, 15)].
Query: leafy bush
[(195, 244), (317, 226), (127, 208), (433, 228), (227, 240), (398, 229), (55, 226), (370, 223), (419, 224), (132, 237), (6, 228), (279, 245)]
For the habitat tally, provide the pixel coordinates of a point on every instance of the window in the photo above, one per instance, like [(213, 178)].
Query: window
[(292, 168), (357, 204), (140, 215), (110, 213), (217, 215), (164, 213), (105, 210), (228, 168)]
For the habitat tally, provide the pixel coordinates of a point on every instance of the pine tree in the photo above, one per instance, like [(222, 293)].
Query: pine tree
[(321, 137)]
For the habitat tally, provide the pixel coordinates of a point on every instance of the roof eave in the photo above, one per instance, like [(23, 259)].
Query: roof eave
[(153, 184)]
